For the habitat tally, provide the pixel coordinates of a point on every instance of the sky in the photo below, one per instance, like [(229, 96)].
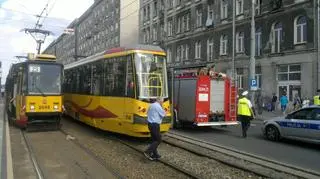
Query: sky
[(16, 15)]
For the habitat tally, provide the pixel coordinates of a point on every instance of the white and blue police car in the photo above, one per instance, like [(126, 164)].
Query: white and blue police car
[(302, 124)]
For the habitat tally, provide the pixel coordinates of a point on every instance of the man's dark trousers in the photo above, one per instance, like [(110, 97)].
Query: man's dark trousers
[(245, 124), (155, 137)]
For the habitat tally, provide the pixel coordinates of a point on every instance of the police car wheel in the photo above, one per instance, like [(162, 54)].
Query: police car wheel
[(272, 133)]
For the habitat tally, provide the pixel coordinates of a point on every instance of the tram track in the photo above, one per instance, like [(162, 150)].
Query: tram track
[(242, 160), (174, 160), (89, 168), (32, 156), (137, 149), (93, 155), (165, 162)]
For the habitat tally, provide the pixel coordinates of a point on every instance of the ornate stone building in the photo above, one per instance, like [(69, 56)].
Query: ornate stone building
[(199, 32)]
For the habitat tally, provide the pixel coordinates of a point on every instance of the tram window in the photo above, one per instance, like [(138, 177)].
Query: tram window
[(108, 80), (84, 77), (97, 78), (115, 76), (87, 79), (74, 81), (24, 85), (65, 85), (130, 88)]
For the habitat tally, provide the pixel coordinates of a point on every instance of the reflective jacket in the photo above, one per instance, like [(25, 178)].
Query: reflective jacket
[(243, 107), (316, 100)]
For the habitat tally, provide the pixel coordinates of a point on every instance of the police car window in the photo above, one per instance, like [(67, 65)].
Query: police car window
[(315, 114), (303, 114)]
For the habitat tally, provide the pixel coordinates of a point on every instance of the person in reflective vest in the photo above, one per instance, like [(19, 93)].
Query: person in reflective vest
[(316, 99), (245, 112)]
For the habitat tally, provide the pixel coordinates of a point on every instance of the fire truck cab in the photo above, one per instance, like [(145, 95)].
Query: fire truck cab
[(203, 99)]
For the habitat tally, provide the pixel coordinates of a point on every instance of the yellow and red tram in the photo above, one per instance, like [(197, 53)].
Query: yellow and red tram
[(33, 92), (112, 90)]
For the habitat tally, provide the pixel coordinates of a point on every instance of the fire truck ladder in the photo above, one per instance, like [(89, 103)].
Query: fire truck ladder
[(233, 100)]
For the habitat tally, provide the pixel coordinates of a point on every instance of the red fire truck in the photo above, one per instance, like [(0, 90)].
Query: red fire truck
[(207, 99)]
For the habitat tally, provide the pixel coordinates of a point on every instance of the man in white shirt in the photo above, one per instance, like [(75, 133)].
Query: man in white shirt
[(155, 116)]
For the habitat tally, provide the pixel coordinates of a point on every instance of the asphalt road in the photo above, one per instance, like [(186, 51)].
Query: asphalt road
[(296, 153)]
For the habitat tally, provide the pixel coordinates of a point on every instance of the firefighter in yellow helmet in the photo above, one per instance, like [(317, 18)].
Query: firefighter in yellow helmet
[(245, 112), (316, 99)]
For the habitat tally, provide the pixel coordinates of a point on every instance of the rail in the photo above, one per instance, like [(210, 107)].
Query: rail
[(94, 156), (272, 165), (32, 156), (165, 162)]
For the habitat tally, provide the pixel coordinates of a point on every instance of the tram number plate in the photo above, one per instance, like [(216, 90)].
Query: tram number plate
[(34, 69), (41, 107)]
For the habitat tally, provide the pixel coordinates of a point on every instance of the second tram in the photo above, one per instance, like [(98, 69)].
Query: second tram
[(33, 92), (112, 90)]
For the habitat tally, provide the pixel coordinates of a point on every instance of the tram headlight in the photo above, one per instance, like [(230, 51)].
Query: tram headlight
[(32, 107), (55, 107)]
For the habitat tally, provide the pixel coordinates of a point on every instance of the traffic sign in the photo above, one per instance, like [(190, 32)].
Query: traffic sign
[(253, 84)]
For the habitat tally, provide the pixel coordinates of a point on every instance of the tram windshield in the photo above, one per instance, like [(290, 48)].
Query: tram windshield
[(44, 79), (151, 76)]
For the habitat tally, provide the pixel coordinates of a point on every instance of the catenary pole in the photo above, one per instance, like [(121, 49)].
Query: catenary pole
[(252, 51)]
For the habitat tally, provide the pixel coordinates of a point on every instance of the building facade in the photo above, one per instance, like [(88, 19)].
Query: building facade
[(199, 32), (106, 24)]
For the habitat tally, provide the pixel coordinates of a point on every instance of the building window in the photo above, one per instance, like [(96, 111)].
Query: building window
[(258, 41), (224, 9), (289, 72), (223, 45), (155, 8), (199, 18), (182, 52), (239, 7), (179, 22), (169, 3), (198, 50), (257, 7), (185, 53), (155, 33), (210, 49), (178, 2), (240, 78), (240, 42), (300, 30), (178, 55), (170, 28), (147, 36), (187, 17), (162, 31), (277, 37), (258, 76), (210, 12), (148, 12), (169, 55)]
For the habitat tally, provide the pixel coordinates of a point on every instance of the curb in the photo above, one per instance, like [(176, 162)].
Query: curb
[(8, 151)]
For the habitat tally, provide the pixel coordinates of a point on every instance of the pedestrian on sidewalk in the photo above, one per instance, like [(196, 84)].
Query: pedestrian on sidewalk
[(273, 102), (284, 102), (155, 116), (245, 113), (306, 102), (297, 103), (316, 98)]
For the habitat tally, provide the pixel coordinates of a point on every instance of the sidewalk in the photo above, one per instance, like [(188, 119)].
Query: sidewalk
[(268, 115)]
